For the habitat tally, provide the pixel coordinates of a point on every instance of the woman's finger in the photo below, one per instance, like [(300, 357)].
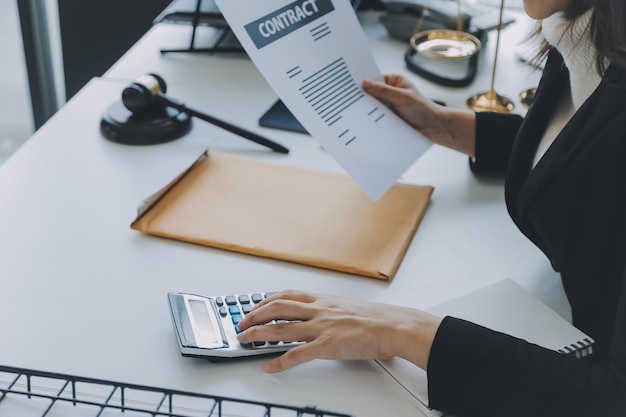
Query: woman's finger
[(294, 295), (397, 80), (278, 309), (293, 357), (294, 331), (380, 90)]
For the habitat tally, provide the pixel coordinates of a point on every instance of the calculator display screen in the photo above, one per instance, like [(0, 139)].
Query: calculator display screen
[(205, 333)]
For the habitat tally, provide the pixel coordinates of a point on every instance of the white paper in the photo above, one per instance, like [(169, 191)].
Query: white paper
[(314, 54)]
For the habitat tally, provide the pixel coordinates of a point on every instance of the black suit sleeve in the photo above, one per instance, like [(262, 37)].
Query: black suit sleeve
[(474, 371), (578, 211), (495, 134)]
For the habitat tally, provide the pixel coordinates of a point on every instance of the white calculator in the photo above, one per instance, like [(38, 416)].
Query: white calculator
[(206, 327)]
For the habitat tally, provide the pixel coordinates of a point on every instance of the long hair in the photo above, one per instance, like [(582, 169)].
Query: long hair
[(607, 30)]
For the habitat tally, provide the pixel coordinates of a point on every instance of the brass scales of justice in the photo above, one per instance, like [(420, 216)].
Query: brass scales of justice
[(449, 44)]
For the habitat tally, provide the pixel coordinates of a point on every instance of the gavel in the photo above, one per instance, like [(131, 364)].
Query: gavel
[(148, 92)]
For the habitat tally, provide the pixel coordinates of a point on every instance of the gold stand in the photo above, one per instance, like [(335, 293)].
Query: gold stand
[(492, 101)]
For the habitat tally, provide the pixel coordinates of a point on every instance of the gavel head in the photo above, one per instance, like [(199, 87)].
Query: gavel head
[(143, 94)]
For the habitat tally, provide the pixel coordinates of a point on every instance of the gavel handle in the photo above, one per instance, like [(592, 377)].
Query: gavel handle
[(276, 147)]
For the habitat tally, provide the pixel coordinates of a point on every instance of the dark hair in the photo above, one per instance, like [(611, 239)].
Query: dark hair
[(607, 28)]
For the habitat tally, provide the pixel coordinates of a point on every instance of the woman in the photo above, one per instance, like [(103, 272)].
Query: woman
[(565, 166)]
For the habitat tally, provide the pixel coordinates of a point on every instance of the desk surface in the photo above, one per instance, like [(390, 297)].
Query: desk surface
[(84, 294)]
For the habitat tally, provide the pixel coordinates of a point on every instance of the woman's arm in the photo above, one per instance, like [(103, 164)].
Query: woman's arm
[(471, 370), (452, 128), (339, 328)]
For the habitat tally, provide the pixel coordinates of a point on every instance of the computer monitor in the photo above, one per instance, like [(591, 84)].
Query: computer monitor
[(188, 12), (206, 12)]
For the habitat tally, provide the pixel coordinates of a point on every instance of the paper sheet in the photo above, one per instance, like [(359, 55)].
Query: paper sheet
[(314, 54)]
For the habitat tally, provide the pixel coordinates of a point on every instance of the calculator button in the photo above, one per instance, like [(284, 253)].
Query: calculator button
[(269, 294), (223, 312), (234, 310), (259, 344), (244, 299), (257, 298), (245, 345), (236, 318), (219, 301), (231, 300), (246, 308)]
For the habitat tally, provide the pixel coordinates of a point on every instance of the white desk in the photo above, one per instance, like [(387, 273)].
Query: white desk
[(84, 294)]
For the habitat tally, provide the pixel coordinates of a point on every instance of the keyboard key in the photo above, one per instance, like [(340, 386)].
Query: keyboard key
[(231, 300), (246, 308), (234, 310), (244, 299), (223, 312), (257, 298), (219, 301)]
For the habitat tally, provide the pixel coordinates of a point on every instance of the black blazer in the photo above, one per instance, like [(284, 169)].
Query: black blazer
[(572, 205)]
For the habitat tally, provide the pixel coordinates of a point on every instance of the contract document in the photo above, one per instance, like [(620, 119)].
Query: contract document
[(314, 54)]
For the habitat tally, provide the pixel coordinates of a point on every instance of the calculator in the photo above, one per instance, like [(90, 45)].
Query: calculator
[(206, 326)]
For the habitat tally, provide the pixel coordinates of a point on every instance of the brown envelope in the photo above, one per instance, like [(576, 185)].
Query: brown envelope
[(289, 213)]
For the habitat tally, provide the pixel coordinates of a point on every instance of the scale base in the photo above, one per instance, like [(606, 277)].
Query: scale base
[(159, 125), (527, 97), (490, 101)]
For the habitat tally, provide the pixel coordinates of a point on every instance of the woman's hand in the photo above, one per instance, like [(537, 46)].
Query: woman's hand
[(452, 128), (339, 328)]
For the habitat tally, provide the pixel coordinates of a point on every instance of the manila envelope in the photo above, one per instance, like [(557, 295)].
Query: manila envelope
[(294, 214)]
